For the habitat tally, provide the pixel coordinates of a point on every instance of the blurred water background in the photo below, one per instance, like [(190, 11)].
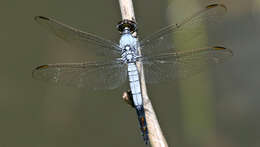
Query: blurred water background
[(218, 108)]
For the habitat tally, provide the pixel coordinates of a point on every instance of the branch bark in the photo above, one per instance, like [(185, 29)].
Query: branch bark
[(154, 130)]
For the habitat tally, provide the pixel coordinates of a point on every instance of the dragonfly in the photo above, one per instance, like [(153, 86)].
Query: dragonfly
[(161, 59)]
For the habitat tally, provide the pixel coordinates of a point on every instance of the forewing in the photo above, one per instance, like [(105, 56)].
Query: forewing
[(188, 29), (87, 75), (80, 39), (179, 65)]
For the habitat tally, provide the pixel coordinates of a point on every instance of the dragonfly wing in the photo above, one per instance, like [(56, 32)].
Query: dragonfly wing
[(179, 65), (78, 38), (89, 75), (188, 30)]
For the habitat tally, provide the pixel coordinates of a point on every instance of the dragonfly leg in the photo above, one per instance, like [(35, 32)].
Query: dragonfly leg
[(128, 98)]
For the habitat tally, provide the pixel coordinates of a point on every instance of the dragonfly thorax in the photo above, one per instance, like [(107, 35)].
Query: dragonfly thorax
[(128, 54), (128, 44)]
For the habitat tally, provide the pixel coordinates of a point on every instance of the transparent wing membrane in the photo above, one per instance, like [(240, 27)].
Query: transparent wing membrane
[(170, 66), (188, 29), (89, 75), (78, 38), (161, 60)]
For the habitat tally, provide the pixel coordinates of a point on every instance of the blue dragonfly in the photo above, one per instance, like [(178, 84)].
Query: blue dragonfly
[(160, 58)]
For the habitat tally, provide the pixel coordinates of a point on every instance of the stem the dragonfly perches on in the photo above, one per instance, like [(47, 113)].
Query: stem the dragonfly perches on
[(155, 133)]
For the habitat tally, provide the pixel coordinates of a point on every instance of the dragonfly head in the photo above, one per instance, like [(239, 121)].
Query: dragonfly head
[(126, 31), (126, 25)]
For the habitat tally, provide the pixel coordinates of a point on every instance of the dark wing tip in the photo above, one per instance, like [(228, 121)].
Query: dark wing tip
[(41, 67), (40, 17), (34, 71), (219, 48), (223, 48), (216, 5)]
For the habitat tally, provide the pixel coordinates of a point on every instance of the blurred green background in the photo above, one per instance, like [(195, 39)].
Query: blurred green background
[(216, 108)]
